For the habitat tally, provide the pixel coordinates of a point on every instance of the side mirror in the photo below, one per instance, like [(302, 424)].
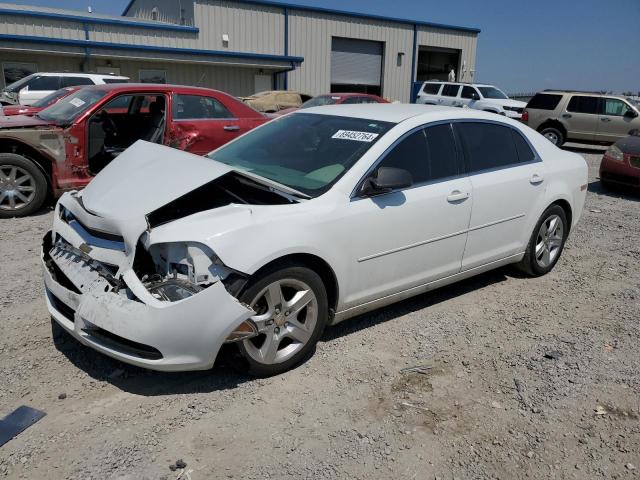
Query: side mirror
[(630, 114), (386, 180)]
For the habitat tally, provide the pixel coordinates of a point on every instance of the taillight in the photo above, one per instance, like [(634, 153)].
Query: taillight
[(525, 116)]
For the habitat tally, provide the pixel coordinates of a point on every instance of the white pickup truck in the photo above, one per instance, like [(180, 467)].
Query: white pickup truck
[(467, 95)]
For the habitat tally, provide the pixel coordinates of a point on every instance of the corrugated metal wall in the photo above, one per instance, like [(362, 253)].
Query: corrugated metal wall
[(251, 28), (310, 36), (464, 41)]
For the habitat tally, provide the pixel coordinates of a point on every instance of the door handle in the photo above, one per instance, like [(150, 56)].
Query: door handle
[(605, 119), (566, 115), (231, 128), (457, 196), (536, 179)]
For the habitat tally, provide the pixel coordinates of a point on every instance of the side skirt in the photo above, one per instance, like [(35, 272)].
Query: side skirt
[(413, 291)]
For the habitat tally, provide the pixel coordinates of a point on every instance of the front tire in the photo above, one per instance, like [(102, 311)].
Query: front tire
[(292, 311), (546, 242), (23, 186)]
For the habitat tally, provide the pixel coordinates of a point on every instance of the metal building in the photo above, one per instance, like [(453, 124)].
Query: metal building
[(239, 46)]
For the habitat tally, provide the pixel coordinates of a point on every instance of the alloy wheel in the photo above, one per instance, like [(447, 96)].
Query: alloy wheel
[(549, 241), (286, 317), (552, 137), (17, 187)]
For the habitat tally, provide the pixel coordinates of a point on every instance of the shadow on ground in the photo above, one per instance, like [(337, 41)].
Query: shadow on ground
[(616, 191), (223, 377)]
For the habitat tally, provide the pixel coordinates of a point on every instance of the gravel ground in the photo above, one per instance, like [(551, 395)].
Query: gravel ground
[(523, 378)]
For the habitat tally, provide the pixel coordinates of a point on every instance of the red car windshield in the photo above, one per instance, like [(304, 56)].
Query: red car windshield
[(69, 108)]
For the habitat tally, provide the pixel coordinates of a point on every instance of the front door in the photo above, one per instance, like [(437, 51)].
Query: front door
[(410, 237), (615, 120), (508, 182)]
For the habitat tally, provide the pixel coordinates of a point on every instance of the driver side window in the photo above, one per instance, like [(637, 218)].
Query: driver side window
[(427, 154)]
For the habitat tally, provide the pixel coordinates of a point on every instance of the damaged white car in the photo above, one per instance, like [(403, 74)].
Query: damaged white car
[(306, 221)]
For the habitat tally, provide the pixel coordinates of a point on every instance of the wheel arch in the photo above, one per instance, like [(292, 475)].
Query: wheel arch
[(553, 124), (566, 206), (45, 164), (313, 262)]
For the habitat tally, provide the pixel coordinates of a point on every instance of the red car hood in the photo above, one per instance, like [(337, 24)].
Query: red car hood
[(11, 110), (22, 121)]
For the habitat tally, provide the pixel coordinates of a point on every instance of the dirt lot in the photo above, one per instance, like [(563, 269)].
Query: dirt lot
[(524, 378)]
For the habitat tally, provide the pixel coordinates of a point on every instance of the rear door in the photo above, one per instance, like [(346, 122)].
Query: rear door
[(508, 185), (449, 94), (581, 117), (200, 124), (613, 124)]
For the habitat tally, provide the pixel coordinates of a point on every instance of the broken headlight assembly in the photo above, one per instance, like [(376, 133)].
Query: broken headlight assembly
[(175, 271)]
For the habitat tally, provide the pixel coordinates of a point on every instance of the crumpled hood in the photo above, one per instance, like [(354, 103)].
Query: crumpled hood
[(22, 121), (145, 177)]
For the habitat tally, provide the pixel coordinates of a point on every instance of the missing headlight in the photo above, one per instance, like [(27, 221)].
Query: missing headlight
[(172, 290)]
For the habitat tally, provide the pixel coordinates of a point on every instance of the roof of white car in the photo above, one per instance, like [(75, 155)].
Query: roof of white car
[(398, 112), (79, 74)]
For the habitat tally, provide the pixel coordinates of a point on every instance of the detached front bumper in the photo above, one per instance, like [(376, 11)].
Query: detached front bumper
[(131, 325)]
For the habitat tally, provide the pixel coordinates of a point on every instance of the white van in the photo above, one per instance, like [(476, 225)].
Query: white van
[(33, 87), (468, 95)]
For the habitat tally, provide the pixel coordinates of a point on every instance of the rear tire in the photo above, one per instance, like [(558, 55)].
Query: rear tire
[(292, 311), (554, 135), (23, 186), (546, 243)]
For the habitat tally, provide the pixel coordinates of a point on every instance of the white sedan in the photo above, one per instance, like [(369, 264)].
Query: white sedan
[(304, 222)]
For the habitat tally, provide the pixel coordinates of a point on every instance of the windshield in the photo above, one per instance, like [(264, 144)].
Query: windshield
[(70, 107), (15, 87), (320, 100), (492, 92), (306, 152), (49, 99)]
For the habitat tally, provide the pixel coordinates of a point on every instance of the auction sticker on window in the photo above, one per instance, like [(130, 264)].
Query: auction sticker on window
[(77, 102), (356, 136)]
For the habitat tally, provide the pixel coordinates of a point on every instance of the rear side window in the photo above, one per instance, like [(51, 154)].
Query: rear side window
[(194, 107), (115, 80), (431, 88), (487, 145), (450, 90), (74, 81), (525, 154), (44, 83), (544, 101), (583, 104), (410, 155)]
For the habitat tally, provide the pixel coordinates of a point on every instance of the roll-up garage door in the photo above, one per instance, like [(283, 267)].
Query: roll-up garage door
[(356, 65)]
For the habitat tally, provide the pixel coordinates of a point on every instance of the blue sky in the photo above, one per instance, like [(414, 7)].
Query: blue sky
[(525, 45)]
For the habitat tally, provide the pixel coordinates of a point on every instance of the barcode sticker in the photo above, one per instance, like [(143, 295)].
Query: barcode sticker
[(355, 136)]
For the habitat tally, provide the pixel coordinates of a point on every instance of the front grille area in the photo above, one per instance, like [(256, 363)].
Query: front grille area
[(70, 219), (634, 161), (120, 344), (66, 311)]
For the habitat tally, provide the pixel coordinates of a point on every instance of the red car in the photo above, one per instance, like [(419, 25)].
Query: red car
[(30, 110), (65, 145), (334, 99), (620, 164)]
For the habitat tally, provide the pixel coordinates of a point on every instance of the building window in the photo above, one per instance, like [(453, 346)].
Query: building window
[(155, 13), (153, 76), (14, 71)]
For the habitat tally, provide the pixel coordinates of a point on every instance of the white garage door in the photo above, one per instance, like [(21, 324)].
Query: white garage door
[(356, 62)]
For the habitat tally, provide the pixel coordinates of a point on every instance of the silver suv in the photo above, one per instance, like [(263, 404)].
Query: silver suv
[(563, 116), (467, 95)]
